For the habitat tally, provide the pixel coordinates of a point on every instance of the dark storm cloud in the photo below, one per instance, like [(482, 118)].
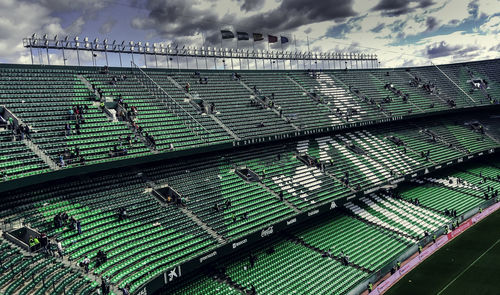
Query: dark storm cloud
[(431, 23), (443, 49), (399, 7), (178, 17), (292, 14), (249, 5)]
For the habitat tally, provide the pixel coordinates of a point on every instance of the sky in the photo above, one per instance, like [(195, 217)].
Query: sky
[(399, 32)]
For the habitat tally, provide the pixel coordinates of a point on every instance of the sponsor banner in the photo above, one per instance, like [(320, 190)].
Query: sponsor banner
[(460, 229), (441, 241), (382, 287), (208, 256), (172, 274), (313, 212), (267, 232), (291, 221), (237, 244), (428, 251), (409, 266), (486, 212)]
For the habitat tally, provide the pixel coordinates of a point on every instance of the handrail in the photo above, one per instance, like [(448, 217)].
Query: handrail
[(453, 82), (188, 122)]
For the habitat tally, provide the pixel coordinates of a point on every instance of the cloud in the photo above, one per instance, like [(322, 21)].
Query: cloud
[(443, 49), (378, 28), (400, 7), (491, 26), (35, 19), (74, 5), (292, 14), (180, 18), (431, 23), (249, 5), (106, 27)]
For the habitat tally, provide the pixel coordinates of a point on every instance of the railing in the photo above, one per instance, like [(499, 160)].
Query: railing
[(466, 94), (159, 93)]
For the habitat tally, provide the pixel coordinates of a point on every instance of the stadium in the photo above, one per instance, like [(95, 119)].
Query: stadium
[(150, 168)]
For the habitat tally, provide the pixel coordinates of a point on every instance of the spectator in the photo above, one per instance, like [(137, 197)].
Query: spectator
[(125, 290), (122, 215), (72, 222), (60, 249), (67, 129), (78, 227), (101, 258), (64, 217), (252, 259), (57, 221), (85, 263), (105, 288), (44, 242)]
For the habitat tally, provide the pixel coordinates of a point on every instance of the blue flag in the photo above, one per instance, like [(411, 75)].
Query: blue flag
[(284, 40)]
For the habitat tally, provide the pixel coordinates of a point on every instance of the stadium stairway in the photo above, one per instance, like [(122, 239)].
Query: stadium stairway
[(231, 101), (274, 109), (344, 104), (191, 98)]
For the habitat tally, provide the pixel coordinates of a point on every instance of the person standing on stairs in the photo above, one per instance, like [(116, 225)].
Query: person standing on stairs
[(78, 227), (85, 263), (60, 249)]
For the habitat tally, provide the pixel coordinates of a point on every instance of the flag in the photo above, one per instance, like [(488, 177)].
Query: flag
[(272, 39), (257, 37), (227, 34), (284, 40), (243, 36)]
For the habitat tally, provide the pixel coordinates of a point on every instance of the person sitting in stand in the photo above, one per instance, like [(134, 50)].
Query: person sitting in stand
[(122, 214)]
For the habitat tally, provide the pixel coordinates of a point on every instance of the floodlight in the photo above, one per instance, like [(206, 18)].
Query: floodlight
[(34, 36), (86, 39), (66, 39), (55, 37), (45, 36), (76, 38), (105, 41)]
